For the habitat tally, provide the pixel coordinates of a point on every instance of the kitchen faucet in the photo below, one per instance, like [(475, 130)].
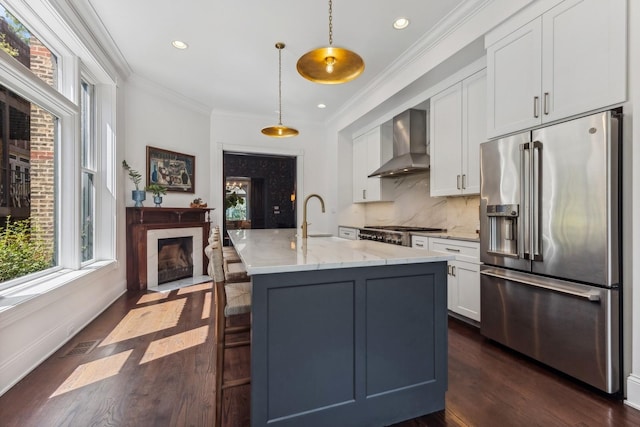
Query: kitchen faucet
[(305, 226)]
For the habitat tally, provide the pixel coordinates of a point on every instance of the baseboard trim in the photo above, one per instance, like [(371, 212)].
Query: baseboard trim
[(633, 391)]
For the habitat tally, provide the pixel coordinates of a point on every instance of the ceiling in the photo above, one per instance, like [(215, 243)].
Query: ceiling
[(231, 64)]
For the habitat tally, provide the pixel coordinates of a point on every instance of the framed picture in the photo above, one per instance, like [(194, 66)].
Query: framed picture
[(176, 171)]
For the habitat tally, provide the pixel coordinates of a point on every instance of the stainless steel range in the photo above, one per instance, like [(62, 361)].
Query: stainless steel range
[(396, 235)]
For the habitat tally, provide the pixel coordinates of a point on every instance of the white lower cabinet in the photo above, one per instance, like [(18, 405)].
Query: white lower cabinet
[(463, 273), (348, 233)]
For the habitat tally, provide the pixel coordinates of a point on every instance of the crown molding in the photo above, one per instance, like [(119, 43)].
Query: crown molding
[(91, 31), (168, 94)]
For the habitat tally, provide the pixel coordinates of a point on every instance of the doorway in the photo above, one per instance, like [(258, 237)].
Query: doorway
[(260, 191)]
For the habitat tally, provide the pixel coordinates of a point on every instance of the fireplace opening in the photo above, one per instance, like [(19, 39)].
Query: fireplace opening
[(175, 258)]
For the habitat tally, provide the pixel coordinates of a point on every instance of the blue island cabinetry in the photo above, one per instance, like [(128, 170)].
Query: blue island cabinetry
[(343, 332)]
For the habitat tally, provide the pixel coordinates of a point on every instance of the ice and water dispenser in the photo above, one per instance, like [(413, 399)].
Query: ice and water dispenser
[(503, 229)]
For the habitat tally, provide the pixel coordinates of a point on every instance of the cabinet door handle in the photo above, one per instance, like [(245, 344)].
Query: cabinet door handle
[(453, 250), (546, 103), (458, 182), (364, 194), (536, 100), (420, 245), (464, 181), (449, 270), (453, 270)]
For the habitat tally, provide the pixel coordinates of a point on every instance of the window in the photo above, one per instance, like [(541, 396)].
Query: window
[(26, 49), (87, 155), (27, 186), (57, 154), (236, 199)]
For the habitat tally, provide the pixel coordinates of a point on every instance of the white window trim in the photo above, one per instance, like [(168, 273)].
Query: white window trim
[(39, 17)]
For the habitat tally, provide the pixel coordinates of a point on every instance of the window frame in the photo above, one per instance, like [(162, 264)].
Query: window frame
[(64, 103), (89, 162)]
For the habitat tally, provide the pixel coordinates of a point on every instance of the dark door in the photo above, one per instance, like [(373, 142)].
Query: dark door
[(258, 206)]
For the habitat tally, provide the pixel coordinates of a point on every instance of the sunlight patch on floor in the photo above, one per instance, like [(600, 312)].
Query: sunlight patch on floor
[(146, 320), (195, 288), (206, 306), (92, 372), (175, 343), (151, 297)]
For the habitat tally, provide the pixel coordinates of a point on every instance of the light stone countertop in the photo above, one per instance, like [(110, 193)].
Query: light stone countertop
[(281, 250)]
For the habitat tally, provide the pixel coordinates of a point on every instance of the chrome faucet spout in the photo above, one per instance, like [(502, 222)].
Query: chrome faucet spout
[(305, 225)]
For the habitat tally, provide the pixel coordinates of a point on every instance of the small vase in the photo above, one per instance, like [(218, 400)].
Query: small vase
[(157, 200), (138, 196)]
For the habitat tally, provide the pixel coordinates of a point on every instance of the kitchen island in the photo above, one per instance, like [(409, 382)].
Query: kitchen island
[(344, 332)]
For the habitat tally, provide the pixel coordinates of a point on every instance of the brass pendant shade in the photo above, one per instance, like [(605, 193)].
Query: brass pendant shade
[(330, 65), (279, 130)]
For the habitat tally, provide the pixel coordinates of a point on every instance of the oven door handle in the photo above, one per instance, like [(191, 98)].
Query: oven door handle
[(592, 296)]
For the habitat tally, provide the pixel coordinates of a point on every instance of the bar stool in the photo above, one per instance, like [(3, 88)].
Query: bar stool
[(231, 299)]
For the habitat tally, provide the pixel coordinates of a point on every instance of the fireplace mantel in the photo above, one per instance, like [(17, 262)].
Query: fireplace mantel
[(141, 220)]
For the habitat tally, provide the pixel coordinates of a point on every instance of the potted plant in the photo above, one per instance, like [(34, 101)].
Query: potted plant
[(232, 199), (157, 190), (137, 195)]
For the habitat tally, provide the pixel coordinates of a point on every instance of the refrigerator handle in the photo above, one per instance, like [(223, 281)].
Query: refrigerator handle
[(534, 221), (593, 296), (523, 224)]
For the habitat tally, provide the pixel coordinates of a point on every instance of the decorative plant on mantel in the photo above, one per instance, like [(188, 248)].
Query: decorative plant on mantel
[(137, 195), (134, 175), (157, 190)]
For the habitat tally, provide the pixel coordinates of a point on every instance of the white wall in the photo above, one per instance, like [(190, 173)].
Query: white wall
[(162, 119), (631, 207), (316, 167)]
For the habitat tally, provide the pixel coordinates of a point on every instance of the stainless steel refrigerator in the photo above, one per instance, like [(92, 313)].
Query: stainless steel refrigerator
[(550, 244)]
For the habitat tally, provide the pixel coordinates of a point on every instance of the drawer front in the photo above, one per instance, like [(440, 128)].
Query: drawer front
[(420, 242), (463, 250), (348, 233)]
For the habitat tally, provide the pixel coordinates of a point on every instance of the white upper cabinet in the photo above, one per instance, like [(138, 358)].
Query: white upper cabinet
[(457, 127), (370, 151), (474, 129), (514, 81), (568, 61)]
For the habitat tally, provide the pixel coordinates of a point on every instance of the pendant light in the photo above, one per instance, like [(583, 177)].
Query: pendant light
[(279, 130), (330, 65)]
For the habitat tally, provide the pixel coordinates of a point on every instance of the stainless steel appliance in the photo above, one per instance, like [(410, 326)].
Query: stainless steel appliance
[(549, 241), (394, 234), (409, 145)]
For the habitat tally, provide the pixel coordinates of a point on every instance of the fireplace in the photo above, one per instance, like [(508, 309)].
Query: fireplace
[(173, 252), (175, 259), (165, 245)]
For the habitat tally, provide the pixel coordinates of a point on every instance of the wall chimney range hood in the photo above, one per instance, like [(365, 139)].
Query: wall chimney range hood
[(409, 145)]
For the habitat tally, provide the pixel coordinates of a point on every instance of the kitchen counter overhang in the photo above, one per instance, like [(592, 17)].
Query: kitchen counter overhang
[(344, 332)]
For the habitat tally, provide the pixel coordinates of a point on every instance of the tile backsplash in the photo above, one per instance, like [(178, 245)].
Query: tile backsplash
[(414, 206)]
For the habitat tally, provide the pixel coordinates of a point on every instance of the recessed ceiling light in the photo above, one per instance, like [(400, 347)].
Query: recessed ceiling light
[(322, 106), (400, 23), (179, 44)]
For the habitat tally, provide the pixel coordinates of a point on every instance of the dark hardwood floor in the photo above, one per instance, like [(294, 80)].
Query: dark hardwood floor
[(153, 366)]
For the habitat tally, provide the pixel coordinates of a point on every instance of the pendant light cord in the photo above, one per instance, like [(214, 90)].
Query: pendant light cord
[(330, 23), (280, 86)]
